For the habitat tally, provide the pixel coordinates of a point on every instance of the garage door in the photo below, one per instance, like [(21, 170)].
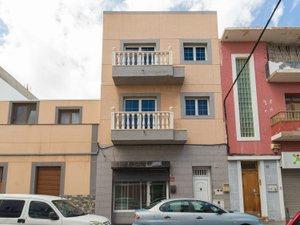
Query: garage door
[(48, 180), (291, 189)]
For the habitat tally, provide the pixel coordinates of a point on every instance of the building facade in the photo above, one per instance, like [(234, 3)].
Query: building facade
[(48, 147), (263, 121), (162, 130)]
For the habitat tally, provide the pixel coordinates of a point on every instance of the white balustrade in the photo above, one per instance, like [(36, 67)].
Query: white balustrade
[(157, 120), (142, 58)]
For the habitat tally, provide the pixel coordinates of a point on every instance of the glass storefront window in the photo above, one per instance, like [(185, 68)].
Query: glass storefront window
[(138, 195)]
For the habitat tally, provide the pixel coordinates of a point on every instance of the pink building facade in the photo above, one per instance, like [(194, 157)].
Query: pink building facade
[(263, 120)]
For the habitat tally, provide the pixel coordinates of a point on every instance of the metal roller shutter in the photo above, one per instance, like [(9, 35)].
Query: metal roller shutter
[(291, 189)]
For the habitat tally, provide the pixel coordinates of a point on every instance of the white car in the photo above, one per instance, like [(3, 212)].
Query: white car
[(44, 210)]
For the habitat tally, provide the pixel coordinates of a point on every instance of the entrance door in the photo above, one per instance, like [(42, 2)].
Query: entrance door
[(201, 179), (251, 188), (48, 180)]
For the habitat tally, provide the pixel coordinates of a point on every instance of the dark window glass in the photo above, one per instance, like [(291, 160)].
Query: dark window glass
[(176, 206), (298, 222), (202, 107), (68, 116), (11, 208), (188, 53), (200, 53), (204, 207), (190, 107), (67, 208), (148, 105), (23, 113), (131, 105), (39, 210)]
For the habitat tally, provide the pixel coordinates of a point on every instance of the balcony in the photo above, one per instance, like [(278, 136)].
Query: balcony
[(283, 72), (145, 67), (285, 126), (134, 128)]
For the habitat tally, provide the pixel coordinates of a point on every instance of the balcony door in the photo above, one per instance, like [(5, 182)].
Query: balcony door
[(142, 105), (293, 106), (146, 58)]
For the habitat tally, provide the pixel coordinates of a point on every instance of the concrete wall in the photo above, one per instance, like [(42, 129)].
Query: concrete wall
[(170, 29), (182, 158), (273, 202), (21, 146)]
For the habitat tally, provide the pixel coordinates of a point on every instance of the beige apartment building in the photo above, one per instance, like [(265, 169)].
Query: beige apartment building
[(161, 120), (48, 147)]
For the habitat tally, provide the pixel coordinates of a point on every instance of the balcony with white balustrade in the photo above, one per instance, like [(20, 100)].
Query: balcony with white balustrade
[(134, 128), (145, 67)]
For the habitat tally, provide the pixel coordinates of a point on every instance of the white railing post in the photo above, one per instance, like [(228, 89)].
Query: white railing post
[(113, 59), (171, 120), (113, 120), (170, 56)]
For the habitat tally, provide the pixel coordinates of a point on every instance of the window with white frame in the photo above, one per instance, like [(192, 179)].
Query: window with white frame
[(245, 99), (196, 106), (194, 52), (134, 195)]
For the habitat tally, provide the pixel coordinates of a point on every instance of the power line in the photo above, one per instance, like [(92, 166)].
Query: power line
[(243, 67)]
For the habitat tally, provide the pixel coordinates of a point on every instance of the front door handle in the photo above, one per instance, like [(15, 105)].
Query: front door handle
[(199, 218), (21, 221), (167, 217)]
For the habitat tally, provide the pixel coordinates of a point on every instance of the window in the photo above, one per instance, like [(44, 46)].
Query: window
[(69, 116), (292, 102), (132, 59), (23, 113), (245, 104), (197, 106), (11, 208), (176, 206), (139, 105), (194, 52), (204, 207), (138, 195), (39, 210)]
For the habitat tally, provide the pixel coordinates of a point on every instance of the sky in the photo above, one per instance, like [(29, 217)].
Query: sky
[(54, 46)]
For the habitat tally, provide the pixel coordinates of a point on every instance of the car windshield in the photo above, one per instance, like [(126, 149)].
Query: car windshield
[(67, 208)]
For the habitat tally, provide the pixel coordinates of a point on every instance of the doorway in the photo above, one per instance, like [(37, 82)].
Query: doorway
[(251, 191), (202, 186)]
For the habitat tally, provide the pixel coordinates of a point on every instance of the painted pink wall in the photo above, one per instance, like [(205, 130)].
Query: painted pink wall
[(270, 99)]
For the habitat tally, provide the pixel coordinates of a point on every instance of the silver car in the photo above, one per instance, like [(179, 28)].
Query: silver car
[(190, 212)]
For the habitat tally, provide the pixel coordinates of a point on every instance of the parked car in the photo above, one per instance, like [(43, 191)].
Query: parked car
[(295, 220), (191, 212), (44, 210)]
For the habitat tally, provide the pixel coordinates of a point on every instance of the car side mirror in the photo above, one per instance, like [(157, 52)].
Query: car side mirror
[(220, 212), (53, 216)]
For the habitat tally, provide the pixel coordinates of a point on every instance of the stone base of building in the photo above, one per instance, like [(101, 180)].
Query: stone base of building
[(131, 177), (84, 202)]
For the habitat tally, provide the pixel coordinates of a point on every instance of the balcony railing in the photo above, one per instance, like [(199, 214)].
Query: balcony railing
[(158, 120), (142, 58), (285, 116)]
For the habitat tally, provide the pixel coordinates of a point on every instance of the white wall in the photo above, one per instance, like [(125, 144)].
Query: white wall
[(9, 93)]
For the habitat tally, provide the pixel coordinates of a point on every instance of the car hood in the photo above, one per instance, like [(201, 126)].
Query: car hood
[(88, 218)]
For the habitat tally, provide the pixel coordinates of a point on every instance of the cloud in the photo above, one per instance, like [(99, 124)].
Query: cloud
[(295, 4), (55, 45), (278, 14)]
